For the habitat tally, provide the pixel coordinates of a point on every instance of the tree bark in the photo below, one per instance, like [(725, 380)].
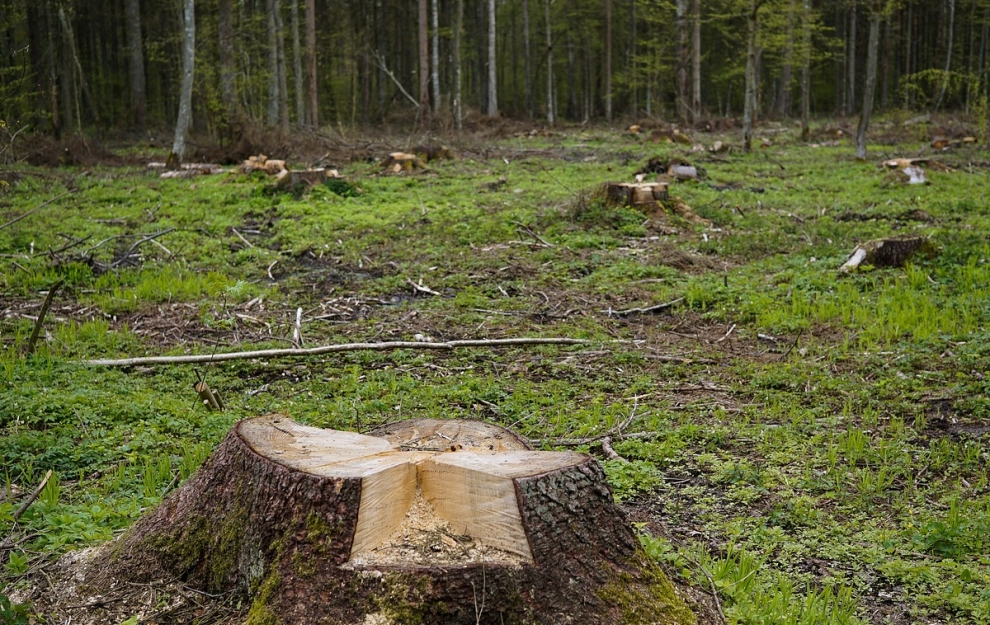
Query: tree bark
[(871, 83), (283, 86), (272, 117), (752, 26), (435, 60), (310, 526), (786, 71), (696, 64), (135, 53), (297, 71), (185, 97), (424, 62), (885, 64), (608, 61), (948, 55), (225, 32), (806, 73), (527, 60), (312, 113), (851, 62), (492, 109), (458, 29), (550, 99), (681, 69)]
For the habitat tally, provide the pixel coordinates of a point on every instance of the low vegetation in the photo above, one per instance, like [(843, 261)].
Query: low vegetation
[(810, 444)]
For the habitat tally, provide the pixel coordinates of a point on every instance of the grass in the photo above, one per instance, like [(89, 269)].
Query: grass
[(818, 444)]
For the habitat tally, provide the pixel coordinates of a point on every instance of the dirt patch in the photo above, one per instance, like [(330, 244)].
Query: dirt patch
[(76, 150)]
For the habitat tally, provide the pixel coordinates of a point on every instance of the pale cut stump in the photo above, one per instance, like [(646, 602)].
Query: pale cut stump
[(428, 521)]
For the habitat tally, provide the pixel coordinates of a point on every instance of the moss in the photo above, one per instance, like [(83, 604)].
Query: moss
[(402, 599), (649, 600), (260, 613)]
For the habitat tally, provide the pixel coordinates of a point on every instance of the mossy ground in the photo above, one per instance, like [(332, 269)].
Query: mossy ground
[(818, 439)]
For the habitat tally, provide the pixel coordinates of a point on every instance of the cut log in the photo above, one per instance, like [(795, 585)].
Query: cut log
[(307, 177), (398, 162), (888, 252), (636, 193), (426, 522)]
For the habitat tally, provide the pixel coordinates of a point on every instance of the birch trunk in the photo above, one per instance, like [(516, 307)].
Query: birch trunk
[(135, 52), (435, 76), (185, 96), (492, 74)]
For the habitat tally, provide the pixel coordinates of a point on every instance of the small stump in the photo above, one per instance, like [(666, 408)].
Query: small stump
[(427, 521)]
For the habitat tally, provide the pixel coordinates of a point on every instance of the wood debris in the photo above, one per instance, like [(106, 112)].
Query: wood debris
[(894, 252), (944, 143), (187, 170), (271, 166)]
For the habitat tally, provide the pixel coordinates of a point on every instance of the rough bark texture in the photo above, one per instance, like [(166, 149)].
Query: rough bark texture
[(312, 116), (135, 53), (871, 84), (281, 539), (752, 25), (185, 97)]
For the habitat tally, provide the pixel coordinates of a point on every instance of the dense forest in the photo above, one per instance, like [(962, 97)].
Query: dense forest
[(69, 66)]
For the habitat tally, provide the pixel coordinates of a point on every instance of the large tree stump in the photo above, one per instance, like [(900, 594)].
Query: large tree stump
[(426, 522)]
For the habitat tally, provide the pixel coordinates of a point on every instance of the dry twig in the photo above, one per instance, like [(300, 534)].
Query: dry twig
[(648, 309), (34, 495), (41, 316), (33, 210)]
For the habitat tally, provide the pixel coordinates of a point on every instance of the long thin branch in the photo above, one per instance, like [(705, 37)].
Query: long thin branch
[(380, 62), (648, 309), (34, 495), (34, 210), (41, 315), (137, 244), (327, 349)]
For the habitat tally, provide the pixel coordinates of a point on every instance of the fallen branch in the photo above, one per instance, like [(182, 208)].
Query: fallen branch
[(421, 288), (41, 316), (380, 62), (137, 244), (32, 497), (34, 210), (328, 349), (579, 442), (610, 453), (648, 309)]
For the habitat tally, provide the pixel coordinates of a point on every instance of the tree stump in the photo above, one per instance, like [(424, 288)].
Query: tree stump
[(427, 521), (894, 252), (636, 194)]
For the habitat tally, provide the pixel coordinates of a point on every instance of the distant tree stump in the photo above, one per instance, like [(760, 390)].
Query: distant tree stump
[(894, 252), (398, 162), (428, 521), (636, 194)]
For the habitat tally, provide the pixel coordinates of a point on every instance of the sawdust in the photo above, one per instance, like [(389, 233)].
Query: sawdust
[(425, 539)]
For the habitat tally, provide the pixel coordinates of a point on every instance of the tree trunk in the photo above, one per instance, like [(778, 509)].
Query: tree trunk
[(550, 98), (696, 64), (492, 109), (135, 54), (948, 54), (806, 74), (225, 32), (527, 60), (435, 77), (424, 62), (312, 103), (885, 64), (273, 90), (786, 71), (427, 521), (608, 61), (297, 72), (283, 86), (851, 62), (185, 97), (871, 83), (458, 29), (682, 60), (749, 100)]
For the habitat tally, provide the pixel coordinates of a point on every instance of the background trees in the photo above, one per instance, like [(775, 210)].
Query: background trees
[(66, 67)]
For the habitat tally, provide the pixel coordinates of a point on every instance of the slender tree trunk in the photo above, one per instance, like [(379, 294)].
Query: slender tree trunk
[(424, 62), (871, 83), (908, 49), (752, 24), (435, 76), (608, 60), (225, 32), (492, 110), (550, 102), (786, 71), (297, 71), (271, 118), (681, 69), (851, 62), (135, 53), (312, 113), (696, 64), (633, 65), (76, 67), (885, 64), (806, 74), (457, 64), (948, 54), (185, 98), (283, 83), (527, 61)]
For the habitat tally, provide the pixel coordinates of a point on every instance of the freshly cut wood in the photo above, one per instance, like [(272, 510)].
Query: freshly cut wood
[(270, 166), (895, 252), (307, 177), (636, 193), (398, 162), (433, 153), (426, 521)]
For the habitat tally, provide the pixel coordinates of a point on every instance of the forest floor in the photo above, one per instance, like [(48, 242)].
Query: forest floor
[(814, 441)]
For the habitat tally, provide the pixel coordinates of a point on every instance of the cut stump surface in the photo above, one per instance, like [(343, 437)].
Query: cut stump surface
[(427, 521)]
